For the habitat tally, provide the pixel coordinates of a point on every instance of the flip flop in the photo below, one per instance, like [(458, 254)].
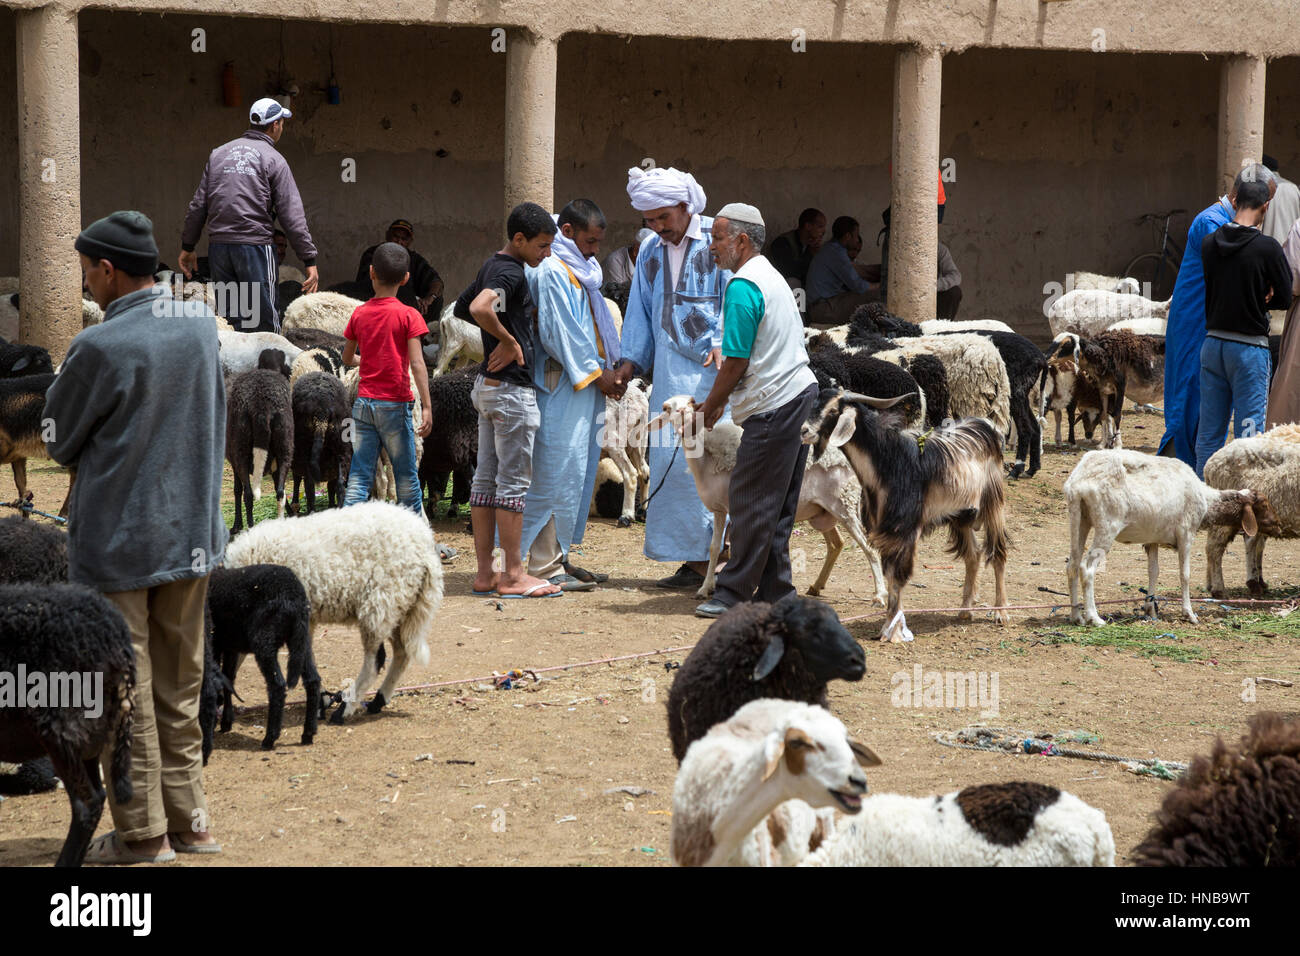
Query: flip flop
[(531, 592), (181, 847), (567, 582), (110, 849), (491, 593)]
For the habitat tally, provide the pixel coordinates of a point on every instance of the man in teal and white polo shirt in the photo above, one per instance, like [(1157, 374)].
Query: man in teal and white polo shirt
[(766, 378)]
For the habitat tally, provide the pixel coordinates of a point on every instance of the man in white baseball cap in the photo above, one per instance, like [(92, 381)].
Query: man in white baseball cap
[(246, 186)]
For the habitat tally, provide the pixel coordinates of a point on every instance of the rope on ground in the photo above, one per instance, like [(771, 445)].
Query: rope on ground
[(534, 671), (1142, 599), (26, 507), (1008, 740)]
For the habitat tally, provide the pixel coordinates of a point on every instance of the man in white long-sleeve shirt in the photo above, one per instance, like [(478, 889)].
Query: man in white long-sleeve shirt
[(948, 286)]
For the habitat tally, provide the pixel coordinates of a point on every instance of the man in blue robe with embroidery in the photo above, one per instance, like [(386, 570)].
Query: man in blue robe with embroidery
[(1185, 330), (573, 370), (673, 329)]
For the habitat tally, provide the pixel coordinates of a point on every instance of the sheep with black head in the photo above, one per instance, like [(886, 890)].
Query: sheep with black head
[(787, 650)]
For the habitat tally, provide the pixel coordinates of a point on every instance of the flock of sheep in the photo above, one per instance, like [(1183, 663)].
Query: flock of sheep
[(908, 435)]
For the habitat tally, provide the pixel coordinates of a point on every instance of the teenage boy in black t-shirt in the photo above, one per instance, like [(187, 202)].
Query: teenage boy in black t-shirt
[(498, 302)]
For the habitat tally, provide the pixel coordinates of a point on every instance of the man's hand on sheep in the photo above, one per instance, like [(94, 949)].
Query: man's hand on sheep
[(609, 384), (312, 281), (711, 411), (507, 351), (189, 261)]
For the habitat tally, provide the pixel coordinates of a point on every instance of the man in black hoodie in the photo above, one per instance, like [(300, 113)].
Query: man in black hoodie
[(1246, 274)]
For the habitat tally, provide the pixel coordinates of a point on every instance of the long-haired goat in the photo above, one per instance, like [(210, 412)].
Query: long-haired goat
[(913, 483)]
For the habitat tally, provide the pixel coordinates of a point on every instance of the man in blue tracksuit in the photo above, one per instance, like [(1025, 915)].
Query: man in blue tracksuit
[(246, 186)]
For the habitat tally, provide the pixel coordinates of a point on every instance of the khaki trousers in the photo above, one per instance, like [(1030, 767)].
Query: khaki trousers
[(166, 624), (545, 559)]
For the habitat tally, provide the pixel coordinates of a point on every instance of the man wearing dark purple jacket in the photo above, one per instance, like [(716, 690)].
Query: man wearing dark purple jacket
[(246, 186)]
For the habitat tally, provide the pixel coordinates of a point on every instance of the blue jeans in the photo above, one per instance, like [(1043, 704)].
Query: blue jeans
[(388, 425), (1234, 377), (246, 279)]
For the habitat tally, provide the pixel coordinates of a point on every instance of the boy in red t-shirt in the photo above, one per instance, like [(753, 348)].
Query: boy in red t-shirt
[(387, 334)]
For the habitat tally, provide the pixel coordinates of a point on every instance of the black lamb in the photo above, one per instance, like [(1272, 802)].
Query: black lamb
[(67, 629), (257, 610), (321, 452), (1237, 807), (787, 650), (259, 429), (451, 447)]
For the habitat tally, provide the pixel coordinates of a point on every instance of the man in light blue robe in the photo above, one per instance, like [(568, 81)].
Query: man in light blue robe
[(572, 369), (1185, 329), (672, 329)]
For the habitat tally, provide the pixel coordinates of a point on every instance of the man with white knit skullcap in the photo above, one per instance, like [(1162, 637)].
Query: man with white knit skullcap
[(673, 329), (766, 381)]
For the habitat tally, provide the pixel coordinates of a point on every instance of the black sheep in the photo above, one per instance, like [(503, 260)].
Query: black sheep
[(865, 374), (18, 360), (874, 317), (310, 338), (451, 447), (787, 650), (32, 552), (259, 418), (1239, 806), (257, 610), (932, 377), (320, 450), (68, 629)]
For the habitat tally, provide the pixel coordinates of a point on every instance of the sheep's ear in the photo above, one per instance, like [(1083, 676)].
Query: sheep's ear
[(866, 757), (1248, 522), (21, 364), (773, 751), (844, 428), (772, 655), (657, 422)]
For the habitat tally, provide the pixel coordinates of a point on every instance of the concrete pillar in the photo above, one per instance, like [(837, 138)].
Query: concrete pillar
[(530, 120), (914, 188), (49, 178), (1241, 115)]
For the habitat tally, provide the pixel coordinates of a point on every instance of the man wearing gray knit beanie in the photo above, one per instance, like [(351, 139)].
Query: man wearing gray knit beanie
[(139, 410)]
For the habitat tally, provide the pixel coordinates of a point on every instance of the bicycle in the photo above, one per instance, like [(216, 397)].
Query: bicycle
[(1159, 269)]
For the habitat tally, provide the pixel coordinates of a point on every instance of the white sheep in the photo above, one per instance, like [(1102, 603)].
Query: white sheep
[(1091, 311), (769, 752), (1093, 280), (457, 339), (1269, 464), (830, 494), (1144, 499), (621, 439), (729, 805), (327, 311), (1141, 326), (320, 358), (375, 565), (240, 350), (936, 326), (978, 386)]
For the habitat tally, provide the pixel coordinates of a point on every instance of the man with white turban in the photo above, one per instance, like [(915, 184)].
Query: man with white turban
[(673, 329)]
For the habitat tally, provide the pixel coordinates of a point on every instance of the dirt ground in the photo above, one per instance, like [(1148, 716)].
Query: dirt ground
[(472, 775)]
